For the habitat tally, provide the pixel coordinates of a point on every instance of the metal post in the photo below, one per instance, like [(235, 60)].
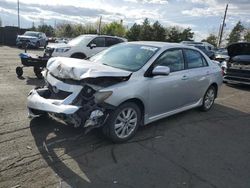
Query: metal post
[(18, 18), (222, 27)]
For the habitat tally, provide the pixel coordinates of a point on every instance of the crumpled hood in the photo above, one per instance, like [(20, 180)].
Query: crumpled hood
[(240, 48), (78, 69), (26, 37)]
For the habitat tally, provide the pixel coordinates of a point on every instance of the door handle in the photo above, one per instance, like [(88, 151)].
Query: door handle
[(185, 77)]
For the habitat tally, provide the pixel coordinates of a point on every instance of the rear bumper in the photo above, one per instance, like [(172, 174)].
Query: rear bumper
[(237, 75), (237, 80)]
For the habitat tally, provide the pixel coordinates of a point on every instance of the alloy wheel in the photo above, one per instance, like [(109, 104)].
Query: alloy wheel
[(126, 122)]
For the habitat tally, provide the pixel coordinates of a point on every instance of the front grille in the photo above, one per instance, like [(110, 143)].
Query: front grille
[(59, 94), (24, 40)]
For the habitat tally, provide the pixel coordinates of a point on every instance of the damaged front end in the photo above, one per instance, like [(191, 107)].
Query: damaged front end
[(76, 102)]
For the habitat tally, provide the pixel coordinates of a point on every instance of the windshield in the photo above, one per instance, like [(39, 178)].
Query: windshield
[(82, 39), (32, 34), (126, 56)]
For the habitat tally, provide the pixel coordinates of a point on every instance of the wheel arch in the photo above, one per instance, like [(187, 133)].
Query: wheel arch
[(79, 54), (140, 104), (215, 85)]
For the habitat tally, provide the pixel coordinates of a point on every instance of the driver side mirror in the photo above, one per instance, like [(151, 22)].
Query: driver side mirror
[(161, 70), (92, 46)]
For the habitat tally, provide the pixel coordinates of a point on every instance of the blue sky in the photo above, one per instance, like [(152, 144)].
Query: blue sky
[(203, 16)]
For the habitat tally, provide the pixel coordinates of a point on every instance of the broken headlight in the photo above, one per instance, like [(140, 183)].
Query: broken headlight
[(102, 96)]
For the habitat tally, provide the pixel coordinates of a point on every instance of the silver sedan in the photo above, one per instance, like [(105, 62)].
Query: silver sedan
[(127, 85)]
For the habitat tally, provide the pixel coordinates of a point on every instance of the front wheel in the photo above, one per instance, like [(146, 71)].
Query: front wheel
[(37, 71), (208, 99), (123, 122)]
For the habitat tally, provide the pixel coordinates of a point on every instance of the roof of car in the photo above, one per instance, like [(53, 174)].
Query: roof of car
[(95, 35), (159, 44)]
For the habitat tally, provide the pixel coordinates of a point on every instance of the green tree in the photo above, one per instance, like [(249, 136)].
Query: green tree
[(158, 32), (114, 29), (212, 39), (177, 34), (133, 33), (187, 34), (1, 23), (47, 29), (146, 31), (173, 34), (236, 33), (247, 36), (64, 30)]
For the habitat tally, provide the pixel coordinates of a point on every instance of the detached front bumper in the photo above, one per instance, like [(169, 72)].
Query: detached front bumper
[(37, 103), (56, 99)]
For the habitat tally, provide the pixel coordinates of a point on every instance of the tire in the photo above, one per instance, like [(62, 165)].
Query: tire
[(37, 71), (208, 99), (120, 131), (78, 56), (19, 71)]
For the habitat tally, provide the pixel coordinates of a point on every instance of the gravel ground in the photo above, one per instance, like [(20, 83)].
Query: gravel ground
[(191, 149)]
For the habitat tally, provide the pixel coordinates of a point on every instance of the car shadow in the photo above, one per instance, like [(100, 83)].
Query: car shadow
[(239, 86), (50, 135), (34, 81)]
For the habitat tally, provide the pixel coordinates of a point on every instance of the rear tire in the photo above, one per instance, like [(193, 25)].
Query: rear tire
[(123, 123), (208, 99)]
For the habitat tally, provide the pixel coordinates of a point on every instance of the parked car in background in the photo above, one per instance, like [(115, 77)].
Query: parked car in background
[(61, 40), (207, 48), (238, 67), (32, 39), (82, 46), (221, 56), (125, 86)]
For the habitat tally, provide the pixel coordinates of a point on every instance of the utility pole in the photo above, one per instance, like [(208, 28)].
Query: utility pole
[(222, 27), (18, 18)]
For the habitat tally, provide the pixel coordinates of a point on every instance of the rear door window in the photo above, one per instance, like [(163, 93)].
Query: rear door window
[(173, 59), (99, 42), (194, 59)]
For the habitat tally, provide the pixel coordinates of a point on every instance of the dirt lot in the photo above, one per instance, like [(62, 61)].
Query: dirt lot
[(191, 149)]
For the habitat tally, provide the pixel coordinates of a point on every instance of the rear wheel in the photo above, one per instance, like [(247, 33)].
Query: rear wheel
[(208, 99), (123, 122)]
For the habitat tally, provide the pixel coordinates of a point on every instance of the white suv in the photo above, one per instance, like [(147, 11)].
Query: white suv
[(82, 46)]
